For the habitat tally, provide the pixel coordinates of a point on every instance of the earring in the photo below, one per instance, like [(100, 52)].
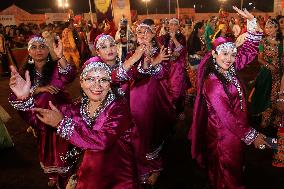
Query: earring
[(48, 59), (31, 60)]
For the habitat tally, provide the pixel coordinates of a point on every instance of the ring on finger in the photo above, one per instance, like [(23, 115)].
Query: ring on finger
[(262, 146)]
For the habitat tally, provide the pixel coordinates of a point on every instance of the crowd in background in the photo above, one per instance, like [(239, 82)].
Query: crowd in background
[(158, 68)]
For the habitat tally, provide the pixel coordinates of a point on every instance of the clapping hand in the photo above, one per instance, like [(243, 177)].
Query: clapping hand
[(20, 86), (57, 48)]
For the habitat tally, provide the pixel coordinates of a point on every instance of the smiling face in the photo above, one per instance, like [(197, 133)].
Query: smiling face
[(225, 55), (38, 51), (107, 51), (96, 84)]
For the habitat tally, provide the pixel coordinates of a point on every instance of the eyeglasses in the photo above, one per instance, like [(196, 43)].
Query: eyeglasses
[(101, 81)]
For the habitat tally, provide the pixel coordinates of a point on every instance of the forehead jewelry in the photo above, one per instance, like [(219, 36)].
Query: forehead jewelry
[(36, 39), (226, 47), (96, 66), (102, 39)]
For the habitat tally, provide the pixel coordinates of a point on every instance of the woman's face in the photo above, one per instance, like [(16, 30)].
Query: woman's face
[(201, 30), (96, 85), (173, 27), (107, 51), (38, 51), (225, 58), (270, 29), (144, 35)]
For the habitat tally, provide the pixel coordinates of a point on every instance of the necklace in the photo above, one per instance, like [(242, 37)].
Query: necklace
[(85, 112), (230, 76)]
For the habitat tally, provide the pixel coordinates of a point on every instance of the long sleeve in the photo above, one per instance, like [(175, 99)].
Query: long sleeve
[(248, 51), (103, 134), (234, 121), (62, 77), (25, 110)]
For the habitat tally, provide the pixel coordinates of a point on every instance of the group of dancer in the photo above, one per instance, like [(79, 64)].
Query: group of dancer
[(114, 136)]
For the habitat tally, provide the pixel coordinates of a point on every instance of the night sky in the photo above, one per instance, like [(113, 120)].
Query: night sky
[(79, 6)]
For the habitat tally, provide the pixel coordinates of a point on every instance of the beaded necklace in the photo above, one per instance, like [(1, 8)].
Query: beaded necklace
[(230, 76), (85, 112)]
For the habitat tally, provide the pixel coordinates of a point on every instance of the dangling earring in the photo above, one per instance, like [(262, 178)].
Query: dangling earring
[(48, 59), (31, 60), (117, 60)]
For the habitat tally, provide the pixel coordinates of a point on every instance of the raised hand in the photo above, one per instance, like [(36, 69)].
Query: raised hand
[(57, 48), (20, 86), (244, 13), (134, 58), (50, 116), (140, 50), (162, 56)]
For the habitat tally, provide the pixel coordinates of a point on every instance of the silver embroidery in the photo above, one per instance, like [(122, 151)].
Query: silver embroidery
[(155, 153), (64, 70), (23, 105), (250, 136), (254, 37), (66, 128)]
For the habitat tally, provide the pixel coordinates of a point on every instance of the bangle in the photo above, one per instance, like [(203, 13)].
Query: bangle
[(62, 57), (280, 100)]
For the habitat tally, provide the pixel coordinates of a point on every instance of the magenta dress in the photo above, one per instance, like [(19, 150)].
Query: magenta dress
[(152, 95), (108, 160), (50, 146), (220, 126)]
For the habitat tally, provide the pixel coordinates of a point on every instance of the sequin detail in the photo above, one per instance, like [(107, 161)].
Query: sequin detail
[(23, 105), (251, 25), (84, 110), (151, 70), (71, 158), (66, 128), (38, 40), (155, 153), (226, 47), (230, 76), (253, 37), (96, 65), (64, 70), (145, 25), (122, 74), (250, 136), (100, 42)]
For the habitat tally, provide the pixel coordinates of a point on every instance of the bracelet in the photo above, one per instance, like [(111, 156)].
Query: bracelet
[(62, 57), (281, 93), (280, 100)]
